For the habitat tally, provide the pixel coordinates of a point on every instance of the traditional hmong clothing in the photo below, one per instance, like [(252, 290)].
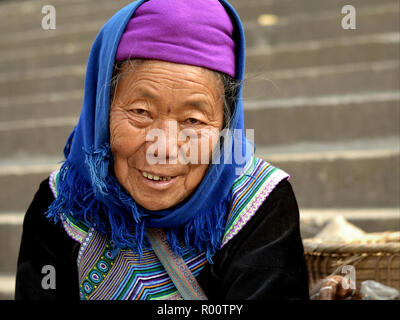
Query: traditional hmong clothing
[(261, 255), (238, 232)]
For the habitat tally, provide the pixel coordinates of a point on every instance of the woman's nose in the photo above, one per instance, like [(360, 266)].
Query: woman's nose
[(163, 138)]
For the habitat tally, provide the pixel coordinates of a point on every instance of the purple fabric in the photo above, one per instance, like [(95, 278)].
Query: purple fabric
[(194, 32)]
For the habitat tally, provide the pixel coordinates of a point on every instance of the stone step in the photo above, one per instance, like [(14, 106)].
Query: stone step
[(10, 234), (326, 118), (36, 106), (322, 25), (297, 27), (311, 221), (292, 7), (27, 15), (36, 58), (22, 177), (320, 118), (310, 119), (333, 51), (329, 80), (361, 173), (47, 80), (85, 31), (16, 8), (36, 137), (7, 286)]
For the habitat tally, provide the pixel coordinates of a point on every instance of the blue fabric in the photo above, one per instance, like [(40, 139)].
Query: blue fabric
[(88, 189)]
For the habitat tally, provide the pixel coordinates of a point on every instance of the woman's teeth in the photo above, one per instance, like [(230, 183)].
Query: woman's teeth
[(154, 177)]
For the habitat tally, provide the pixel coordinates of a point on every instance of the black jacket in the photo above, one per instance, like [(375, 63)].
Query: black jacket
[(263, 261)]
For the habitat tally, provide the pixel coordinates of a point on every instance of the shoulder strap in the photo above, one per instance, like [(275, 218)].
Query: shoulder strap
[(175, 266)]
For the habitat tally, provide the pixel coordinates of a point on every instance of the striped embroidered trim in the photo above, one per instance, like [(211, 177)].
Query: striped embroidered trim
[(249, 192), (84, 244), (76, 230), (98, 272), (53, 179)]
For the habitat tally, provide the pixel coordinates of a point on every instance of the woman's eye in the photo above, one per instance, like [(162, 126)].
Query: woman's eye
[(193, 121), (141, 112)]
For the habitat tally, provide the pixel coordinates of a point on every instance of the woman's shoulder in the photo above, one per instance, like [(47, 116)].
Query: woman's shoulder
[(36, 224), (44, 243), (260, 187), (264, 259), (35, 215), (41, 238)]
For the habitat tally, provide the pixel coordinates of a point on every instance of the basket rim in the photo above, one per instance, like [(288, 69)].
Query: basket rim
[(340, 247)]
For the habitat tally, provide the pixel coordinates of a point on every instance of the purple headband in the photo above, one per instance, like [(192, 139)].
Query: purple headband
[(198, 33)]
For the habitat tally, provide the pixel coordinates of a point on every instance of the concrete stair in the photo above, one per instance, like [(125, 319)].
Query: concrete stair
[(323, 101)]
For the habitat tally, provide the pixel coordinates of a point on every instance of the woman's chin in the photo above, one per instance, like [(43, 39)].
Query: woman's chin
[(156, 204)]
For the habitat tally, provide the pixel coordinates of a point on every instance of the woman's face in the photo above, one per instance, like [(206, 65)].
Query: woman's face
[(153, 104)]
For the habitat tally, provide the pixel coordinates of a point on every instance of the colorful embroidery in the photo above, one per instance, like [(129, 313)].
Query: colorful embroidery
[(106, 272), (249, 192), (75, 229), (99, 271), (53, 183)]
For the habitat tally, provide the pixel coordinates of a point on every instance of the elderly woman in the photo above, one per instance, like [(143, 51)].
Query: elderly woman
[(153, 201)]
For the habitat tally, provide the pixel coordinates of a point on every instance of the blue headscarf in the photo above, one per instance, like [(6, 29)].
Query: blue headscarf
[(87, 187)]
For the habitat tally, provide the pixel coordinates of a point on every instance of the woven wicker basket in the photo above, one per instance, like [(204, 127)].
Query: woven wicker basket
[(377, 257)]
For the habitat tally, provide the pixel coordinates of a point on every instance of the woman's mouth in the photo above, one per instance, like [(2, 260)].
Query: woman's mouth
[(157, 182), (155, 177)]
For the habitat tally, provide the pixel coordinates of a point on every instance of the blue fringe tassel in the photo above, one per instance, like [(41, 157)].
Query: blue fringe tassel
[(104, 205)]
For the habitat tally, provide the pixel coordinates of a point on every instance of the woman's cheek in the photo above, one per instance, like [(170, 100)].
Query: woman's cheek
[(198, 148), (125, 139), (208, 141)]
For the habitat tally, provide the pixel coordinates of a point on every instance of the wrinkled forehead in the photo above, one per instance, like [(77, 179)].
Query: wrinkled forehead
[(155, 79)]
